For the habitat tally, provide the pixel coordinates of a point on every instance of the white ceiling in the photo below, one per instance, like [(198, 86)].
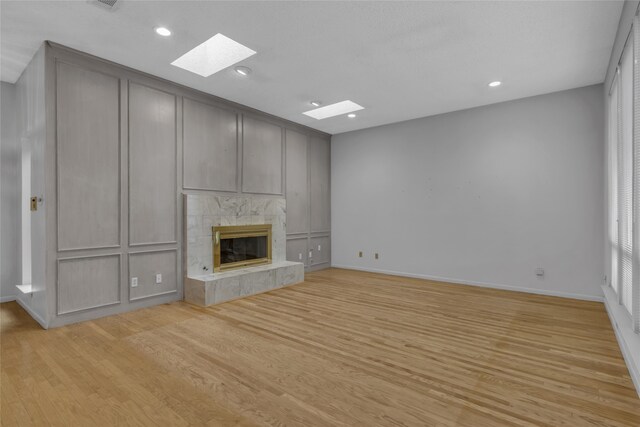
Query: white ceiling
[(400, 60)]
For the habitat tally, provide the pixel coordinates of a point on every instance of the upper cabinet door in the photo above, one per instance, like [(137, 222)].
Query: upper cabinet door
[(297, 188), (261, 157), (210, 147), (320, 184), (152, 166), (88, 158)]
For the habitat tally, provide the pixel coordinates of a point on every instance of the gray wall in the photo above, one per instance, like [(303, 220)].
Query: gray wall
[(10, 158), (482, 196), (30, 90)]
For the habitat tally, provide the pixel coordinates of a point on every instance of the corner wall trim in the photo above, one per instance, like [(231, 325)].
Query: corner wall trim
[(634, 369), (475, 283), (32, 313)]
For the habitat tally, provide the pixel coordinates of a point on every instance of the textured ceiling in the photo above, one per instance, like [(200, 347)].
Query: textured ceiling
[(400, 60)]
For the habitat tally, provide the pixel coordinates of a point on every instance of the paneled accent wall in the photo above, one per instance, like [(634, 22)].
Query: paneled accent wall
[(308, 186), (320, 185), (146, 265), (88, 282), (210, 147), (88, 158), (152, 166), (122, 148), (297, 192), (261, 157)]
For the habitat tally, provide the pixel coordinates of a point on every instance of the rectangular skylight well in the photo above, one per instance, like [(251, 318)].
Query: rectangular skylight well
[(217, 53), (336, 109)]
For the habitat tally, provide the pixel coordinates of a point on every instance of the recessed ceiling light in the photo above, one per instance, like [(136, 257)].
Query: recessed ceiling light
[(163, 31), (495, 84), (316, 103), (244, 71), (215, 54), (336, 109), (351, 116)]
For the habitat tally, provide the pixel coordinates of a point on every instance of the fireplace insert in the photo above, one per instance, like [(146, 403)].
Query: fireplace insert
[(238, 246)]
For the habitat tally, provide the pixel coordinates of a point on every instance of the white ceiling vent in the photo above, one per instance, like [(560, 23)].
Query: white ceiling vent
[(107, 4)]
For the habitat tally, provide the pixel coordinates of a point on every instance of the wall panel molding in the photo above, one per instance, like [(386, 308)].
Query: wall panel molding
[(88, 60), (262, 154), (210, 146), (152, 160), (88, 208), (89, 284), (146, 288)]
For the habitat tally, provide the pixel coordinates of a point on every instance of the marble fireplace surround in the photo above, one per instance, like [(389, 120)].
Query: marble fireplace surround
[(202, 212)]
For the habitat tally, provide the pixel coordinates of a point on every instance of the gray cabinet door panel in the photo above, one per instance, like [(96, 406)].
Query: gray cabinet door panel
[(321, 250), (320, 184), (145, 266), (152, 166), (210, 147), (261, 157), (88, 158), (297, 189), (88, 282), (297, 250)]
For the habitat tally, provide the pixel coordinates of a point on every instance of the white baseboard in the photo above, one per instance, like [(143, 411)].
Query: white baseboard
[(8, 298), (619, 321), (584, 297), (32, 313)]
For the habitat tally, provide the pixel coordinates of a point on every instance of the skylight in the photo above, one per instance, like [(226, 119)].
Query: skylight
[(336, 109), (215, 54)]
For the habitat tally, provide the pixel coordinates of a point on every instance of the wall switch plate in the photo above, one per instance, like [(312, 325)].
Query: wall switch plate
[(300, 256), (319, 247), (360, 254), (310, 254), (134, 282), (158, 278)]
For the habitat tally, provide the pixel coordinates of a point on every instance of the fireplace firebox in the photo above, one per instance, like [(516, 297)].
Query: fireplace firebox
[(238, 246)]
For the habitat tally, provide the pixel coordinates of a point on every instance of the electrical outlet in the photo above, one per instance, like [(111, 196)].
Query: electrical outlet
[(158, 279), (540, 272), (360, 254), (376, 255), (134, 282)]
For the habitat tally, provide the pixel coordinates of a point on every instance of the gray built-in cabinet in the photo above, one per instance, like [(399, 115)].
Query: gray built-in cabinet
[(121, 148)]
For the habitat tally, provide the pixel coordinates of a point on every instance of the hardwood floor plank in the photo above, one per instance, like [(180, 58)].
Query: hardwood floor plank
[(344, 348)]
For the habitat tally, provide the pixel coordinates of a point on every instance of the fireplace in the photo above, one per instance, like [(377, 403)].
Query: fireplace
[(241, 246)]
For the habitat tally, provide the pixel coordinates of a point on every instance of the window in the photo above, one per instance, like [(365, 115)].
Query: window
[(623, 182), (625, 174), (612, 152)]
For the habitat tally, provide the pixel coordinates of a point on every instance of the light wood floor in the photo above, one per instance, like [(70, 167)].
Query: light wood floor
[(344, 348)]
